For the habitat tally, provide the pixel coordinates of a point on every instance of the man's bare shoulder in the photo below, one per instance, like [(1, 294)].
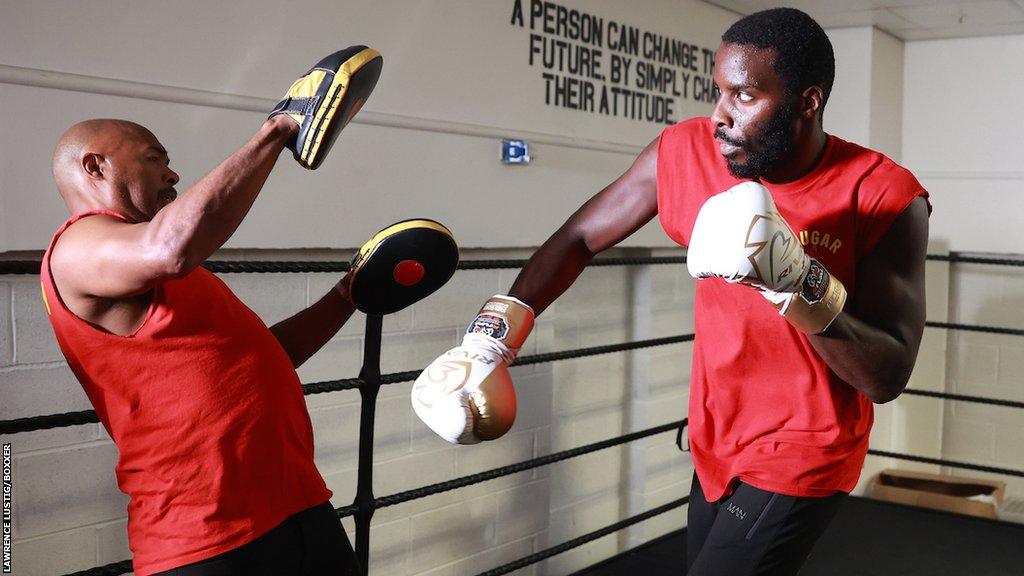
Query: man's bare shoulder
[(78, 243), (84, 234)]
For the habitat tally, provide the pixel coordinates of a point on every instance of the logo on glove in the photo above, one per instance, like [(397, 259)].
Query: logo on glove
[(781, 247), (493, 326), (452, 374), (815, 285)]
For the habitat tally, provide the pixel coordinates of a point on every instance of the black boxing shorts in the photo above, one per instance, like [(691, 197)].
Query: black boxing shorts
[(308, 543), (754, 532)]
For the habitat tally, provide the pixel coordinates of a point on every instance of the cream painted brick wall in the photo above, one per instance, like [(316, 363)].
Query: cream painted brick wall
[(57, 553), (33, 338), (986, 365), (62, 489), (562, 405), (31, 390)]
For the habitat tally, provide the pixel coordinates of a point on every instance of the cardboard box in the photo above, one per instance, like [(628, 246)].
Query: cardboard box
[(972, 496)]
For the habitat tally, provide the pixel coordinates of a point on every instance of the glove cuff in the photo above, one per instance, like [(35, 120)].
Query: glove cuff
[(818, 302), (505, 319)]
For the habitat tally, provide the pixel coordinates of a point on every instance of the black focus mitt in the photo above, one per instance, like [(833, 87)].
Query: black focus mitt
[(401, 265), (324, 99)]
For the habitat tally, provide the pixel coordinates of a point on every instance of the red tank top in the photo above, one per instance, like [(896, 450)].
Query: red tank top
[(214, 439), (764, 407)]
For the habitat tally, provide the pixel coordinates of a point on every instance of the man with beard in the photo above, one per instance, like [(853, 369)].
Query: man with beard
[(811, 305)]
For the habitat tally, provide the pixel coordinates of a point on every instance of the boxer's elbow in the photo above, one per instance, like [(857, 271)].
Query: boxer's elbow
[(886, 395), (172, 257), (889, 385)]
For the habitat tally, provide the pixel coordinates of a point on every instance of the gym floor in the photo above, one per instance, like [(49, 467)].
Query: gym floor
[(870, 538)]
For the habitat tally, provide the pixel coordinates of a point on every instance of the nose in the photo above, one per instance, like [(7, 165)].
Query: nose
[(720, 116), (172, 177)]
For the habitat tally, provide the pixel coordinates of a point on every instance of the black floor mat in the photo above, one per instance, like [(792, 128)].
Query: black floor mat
[(869, 538)]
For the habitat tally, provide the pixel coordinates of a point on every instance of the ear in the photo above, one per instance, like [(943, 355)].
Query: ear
[(92, 165), (811, 102)]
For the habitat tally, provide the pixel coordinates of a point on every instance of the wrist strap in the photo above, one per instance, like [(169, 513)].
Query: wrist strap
[(504, 318), (819, 300)]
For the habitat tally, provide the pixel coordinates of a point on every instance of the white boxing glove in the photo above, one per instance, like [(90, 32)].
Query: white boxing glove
[(466, 394), (740, 236)]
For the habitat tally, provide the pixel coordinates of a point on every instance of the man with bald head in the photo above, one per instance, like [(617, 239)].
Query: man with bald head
[(200, 397)]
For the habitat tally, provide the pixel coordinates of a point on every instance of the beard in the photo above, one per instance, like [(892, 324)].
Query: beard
[(766, 148)]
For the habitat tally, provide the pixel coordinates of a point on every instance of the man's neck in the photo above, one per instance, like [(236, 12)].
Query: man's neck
[(810, 147)]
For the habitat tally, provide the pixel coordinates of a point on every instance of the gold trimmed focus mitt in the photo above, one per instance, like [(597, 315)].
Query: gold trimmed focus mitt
[(401, 265), (324, 99)]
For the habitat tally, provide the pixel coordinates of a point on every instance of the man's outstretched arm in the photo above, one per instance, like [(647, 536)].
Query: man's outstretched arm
[(303, 334), (466, 394), (103, 257), (609, 217)]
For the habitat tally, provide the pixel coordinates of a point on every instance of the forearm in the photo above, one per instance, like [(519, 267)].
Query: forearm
[(551, 270), (303, 334), (207, 214), (614, 213), (875, 362)]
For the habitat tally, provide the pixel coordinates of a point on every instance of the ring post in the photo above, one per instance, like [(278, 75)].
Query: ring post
[(370, 376)]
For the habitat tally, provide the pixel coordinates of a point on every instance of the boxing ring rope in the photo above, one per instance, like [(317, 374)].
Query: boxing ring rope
[(370, 380)]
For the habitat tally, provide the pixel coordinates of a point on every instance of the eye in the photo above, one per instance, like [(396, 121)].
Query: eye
[(744, 97)]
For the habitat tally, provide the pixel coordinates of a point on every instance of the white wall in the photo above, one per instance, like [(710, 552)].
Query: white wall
[(453, 66), (963, 138), (456, 78), (848, 111), (866, 102)]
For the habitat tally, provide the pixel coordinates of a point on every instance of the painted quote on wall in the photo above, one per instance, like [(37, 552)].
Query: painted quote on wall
[(598, 65)]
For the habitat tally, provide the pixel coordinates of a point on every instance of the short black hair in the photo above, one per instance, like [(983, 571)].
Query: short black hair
[(803, 52)]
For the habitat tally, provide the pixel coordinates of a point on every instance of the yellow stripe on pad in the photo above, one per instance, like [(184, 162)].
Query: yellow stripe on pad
[(373, 243), (330, 105)]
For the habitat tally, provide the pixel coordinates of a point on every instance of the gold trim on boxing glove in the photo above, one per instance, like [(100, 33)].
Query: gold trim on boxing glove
[(504, 318), (820, 300), (497, 399)]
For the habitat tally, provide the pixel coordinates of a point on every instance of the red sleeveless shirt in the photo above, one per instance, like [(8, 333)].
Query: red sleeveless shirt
[(764, 407), (214, 439)]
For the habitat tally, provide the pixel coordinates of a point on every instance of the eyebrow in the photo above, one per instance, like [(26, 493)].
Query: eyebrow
[(159, 150), (745, 85)]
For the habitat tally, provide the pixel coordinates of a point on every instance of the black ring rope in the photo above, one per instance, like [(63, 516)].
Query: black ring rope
[(125, 566), (957, 259), (448, 485), (596, 350), (293, 266), (31, 423), (299, 266), (240, 266), (950, 463), (973, 328), (49, 421), (964, 398), (581, 540), (576, 542), (88, 416)]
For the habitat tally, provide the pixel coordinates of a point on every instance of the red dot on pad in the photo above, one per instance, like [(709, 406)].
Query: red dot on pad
[(409, 272)]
